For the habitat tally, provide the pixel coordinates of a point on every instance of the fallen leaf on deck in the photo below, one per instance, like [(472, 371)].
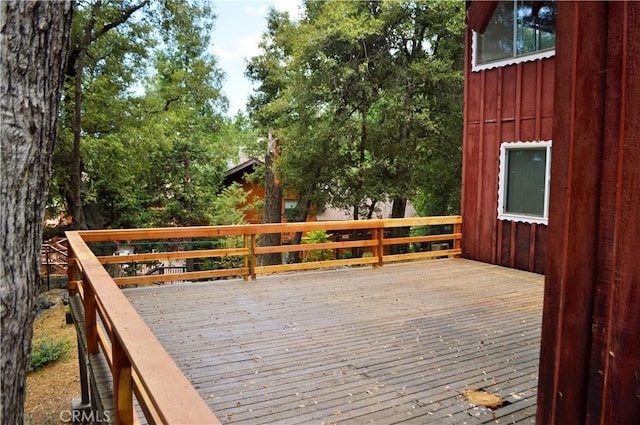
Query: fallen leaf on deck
[(483, 398)]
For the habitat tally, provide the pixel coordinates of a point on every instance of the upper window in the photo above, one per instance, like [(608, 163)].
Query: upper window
[(519, 30), (524, 182)]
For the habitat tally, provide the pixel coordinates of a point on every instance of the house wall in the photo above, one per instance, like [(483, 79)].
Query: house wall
[(255, 191), (590, 348), (505, 104)]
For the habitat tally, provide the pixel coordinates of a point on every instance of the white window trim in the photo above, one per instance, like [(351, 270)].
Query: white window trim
[(527, 57), (502, 180)]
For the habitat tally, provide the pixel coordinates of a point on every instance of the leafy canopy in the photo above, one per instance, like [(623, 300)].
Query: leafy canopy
[(154, 139), (366, 99)]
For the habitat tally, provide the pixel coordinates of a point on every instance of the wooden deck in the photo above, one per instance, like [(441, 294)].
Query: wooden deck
[(396, 344)]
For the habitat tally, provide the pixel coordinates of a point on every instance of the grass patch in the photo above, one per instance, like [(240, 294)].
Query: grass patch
[(45, 351)]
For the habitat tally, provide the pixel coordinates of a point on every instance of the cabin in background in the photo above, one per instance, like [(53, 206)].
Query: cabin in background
[(508, 119), (239, 174)]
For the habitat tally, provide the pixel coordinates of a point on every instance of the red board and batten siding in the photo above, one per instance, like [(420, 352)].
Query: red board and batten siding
[(506, 104), (590, 350), (590, 355)]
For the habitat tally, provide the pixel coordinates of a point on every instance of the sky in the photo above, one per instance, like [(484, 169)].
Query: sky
[(238, 29)]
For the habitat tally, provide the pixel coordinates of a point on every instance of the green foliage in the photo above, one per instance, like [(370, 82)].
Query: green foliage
[(154, 142), (318, 236), (366, 99), (440, 229), (223, 263), (114, 63), (228, 261), (230, 205), (45, 351)]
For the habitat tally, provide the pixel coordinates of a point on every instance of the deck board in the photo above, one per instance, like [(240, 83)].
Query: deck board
[(396, 344)]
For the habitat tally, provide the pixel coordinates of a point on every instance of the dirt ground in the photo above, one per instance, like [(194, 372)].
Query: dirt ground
[(51, 389)]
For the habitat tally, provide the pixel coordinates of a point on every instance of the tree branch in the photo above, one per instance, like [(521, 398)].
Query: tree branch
[(124, 16), (169, 102)]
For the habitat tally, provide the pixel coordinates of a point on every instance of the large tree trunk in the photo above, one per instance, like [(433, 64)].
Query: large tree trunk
[(33, 46), (304, 208), (272, 210), (371, 209), (75, 70), (79, 221), (398, 209)]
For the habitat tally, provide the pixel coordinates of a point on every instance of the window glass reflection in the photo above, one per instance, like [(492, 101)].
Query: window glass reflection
[(497, 41), (536, 26), (517, 28)]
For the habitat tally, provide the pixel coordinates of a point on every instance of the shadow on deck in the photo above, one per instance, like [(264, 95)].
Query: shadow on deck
[(388, 345)]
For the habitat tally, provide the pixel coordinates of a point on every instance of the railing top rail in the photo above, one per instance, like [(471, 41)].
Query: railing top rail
[(247, 229), (171, 394)]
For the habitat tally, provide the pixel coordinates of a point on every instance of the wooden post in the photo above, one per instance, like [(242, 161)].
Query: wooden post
[(122, 384), (457, 242), (245, 244), (380, 247), (253, 263), (90, 322), (72, 285), (375, 249)]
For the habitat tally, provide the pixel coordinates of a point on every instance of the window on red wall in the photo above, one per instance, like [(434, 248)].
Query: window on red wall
[(523, 182), (518, 30)]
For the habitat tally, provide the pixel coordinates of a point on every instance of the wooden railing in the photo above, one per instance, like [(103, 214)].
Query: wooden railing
[(372, 239), (54, 257), (139, 365)]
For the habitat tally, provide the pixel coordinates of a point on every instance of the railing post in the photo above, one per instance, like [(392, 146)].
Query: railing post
[(90, 323), (380, 247), (72, 285), (254, 257), (122, 384), (245, 244), (457, 243), (374, 249)]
